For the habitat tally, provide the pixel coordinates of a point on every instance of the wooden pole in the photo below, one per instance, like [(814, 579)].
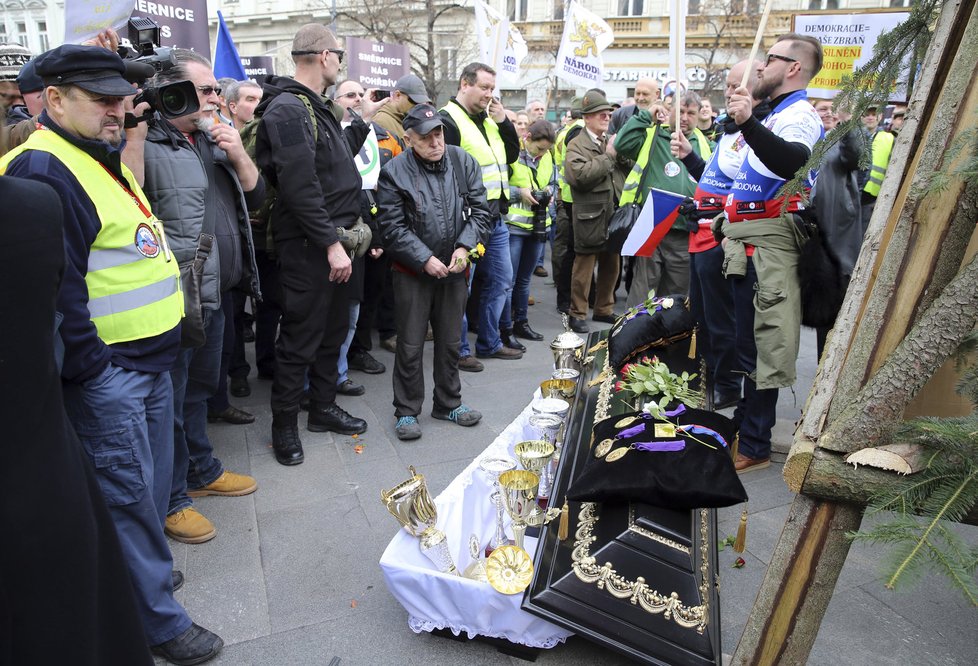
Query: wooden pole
[(758, 38)]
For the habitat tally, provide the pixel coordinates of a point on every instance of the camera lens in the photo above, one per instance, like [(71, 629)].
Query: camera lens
[(174, 101)]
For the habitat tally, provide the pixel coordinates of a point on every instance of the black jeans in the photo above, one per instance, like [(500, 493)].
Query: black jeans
[(420, 299), (268, 315), (315, 321)]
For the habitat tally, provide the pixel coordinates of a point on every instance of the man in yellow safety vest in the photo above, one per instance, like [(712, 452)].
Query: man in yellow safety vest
[(122, 304)]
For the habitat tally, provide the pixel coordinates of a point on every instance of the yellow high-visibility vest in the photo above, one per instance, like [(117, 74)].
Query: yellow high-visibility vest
[(560, 151), (882, 147), (490, 155), (133, 281), (519, 214)]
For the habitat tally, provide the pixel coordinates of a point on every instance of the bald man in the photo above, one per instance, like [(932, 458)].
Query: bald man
[(302, 147), (646, 94)]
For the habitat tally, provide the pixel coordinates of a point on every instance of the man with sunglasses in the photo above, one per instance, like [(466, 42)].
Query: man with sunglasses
[(122, 303), (764, 234), (201, 183), (302, 150)]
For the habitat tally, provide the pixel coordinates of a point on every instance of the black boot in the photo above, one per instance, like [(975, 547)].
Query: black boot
[(285, 438), (521, 329), (509, 341), (194, 646), (332, 418)]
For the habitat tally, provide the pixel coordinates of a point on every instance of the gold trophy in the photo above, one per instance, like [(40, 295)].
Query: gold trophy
[(411, 504), (519, 490), (535, 457)]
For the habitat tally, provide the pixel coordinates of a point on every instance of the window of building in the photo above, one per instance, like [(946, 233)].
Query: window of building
[(22, 35), (516, 9), (631, 7), (901, 3), (694, 7), (823, 4), (558, 10), (448, 62), (42, 35)]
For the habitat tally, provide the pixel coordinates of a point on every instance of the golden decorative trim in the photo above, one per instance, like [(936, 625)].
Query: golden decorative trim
[(637, 592), (658, 538)]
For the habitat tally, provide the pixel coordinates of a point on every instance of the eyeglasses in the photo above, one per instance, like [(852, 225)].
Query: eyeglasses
[(352, 94), (339, 54), (775, 56), (207, 90)]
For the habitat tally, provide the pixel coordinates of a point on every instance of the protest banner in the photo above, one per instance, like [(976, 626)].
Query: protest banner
[(258, 65), (586, 35), (183, 23), (85, 18), (501, 45), (376, 64), (847, 43)]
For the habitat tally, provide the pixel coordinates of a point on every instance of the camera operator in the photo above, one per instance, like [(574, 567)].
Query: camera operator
[(201, 183), (532, 184)]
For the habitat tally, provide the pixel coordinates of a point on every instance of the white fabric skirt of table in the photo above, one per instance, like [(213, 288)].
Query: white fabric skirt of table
[(435, 600)]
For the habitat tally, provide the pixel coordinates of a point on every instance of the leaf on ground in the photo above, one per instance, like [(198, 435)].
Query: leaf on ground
[(358, 449), (353, 603)]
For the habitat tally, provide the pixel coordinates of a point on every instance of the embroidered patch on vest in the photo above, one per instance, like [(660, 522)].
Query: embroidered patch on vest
[(671, 169), (147, 244)]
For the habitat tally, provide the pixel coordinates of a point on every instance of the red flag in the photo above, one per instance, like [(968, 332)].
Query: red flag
[(656, 219)]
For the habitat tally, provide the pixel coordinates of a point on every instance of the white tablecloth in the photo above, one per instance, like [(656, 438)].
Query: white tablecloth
[(435, 600)]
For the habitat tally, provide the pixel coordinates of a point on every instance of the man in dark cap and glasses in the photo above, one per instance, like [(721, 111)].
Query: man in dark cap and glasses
[(433, 213), (122, 305)]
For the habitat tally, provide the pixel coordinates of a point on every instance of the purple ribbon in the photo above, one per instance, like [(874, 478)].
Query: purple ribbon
[(672, 445), (631, 432), (677, 411)]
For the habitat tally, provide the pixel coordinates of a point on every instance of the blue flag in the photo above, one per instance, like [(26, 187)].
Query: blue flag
[(227, 62)]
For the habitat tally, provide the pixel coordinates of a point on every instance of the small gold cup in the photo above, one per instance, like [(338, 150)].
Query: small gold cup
[(519, 490), (558, 388)]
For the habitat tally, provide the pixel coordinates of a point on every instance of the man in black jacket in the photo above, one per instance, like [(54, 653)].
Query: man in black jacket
[(308, 158), (433, 212)]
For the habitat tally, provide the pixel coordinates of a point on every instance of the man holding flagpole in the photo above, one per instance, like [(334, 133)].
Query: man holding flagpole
[(763, 234)]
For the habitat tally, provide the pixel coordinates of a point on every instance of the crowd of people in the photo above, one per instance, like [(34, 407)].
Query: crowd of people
[(247, 220)]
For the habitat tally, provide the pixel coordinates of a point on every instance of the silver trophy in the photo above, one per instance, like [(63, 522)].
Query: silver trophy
[(411, 504), (493, 467), (546, 427)]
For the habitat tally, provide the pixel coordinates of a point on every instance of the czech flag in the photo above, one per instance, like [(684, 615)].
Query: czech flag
[(227, 62), (656, 219)]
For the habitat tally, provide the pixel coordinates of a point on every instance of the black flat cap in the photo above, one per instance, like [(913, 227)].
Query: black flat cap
[(91, 68), (422, 119), (28, 81)]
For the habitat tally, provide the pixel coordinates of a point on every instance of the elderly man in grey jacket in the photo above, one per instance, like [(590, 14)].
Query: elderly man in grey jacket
[(433, 214), (201, 184)]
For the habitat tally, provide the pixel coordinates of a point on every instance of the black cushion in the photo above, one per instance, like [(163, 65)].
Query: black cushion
[(643, 330), (695, 477)]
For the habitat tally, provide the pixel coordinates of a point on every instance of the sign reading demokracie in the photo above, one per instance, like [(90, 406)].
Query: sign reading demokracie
[(84, 19), (183, 23), (376, 64), (847, 41), (586, 35)]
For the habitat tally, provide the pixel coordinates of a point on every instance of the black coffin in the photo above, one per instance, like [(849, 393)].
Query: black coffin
[(636, 578)]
